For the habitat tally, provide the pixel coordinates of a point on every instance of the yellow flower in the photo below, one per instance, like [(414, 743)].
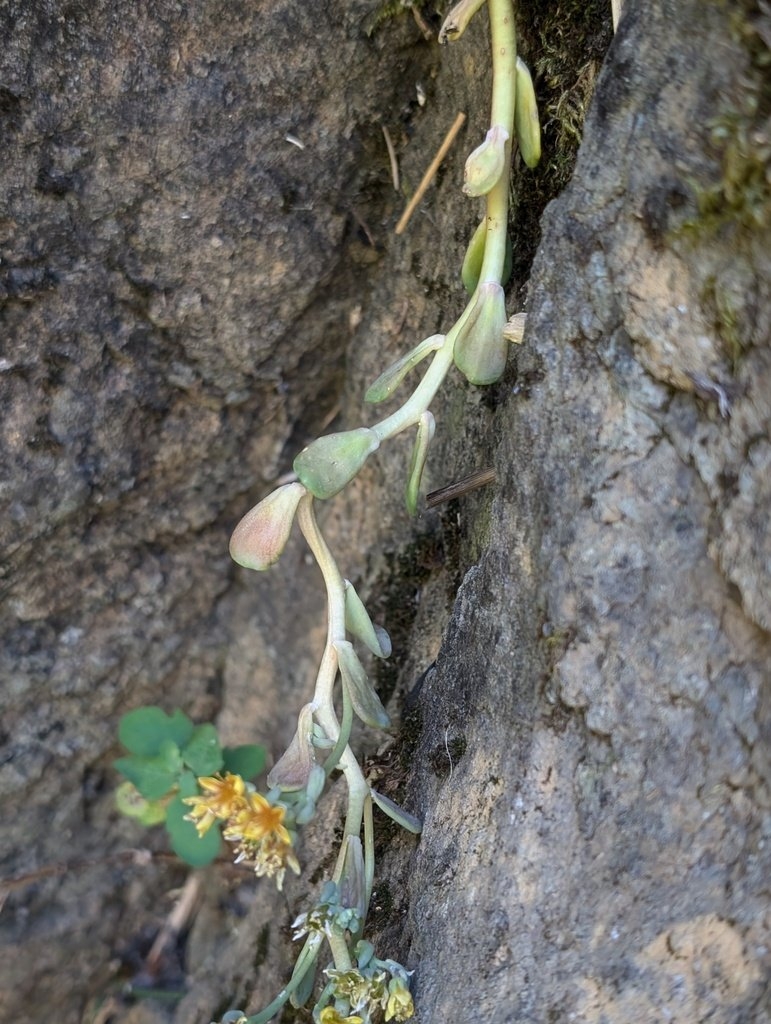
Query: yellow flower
[(222, 798), (399, 1006), (359, 989), (329, 1015), (273, 857), (256, 819)]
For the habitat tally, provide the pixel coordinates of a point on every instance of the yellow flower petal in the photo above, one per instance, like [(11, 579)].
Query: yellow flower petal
[(329, 1015)]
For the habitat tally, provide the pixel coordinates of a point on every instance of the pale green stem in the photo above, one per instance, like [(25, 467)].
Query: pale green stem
[(408, 414), (311, 948), (504, 53), (323, 697), (342, 740), (456, 22), (308, 956), (369, 848), (421, 398), (340, 951)]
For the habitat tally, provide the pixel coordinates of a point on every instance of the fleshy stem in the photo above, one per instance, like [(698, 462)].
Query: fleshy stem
[(504, 54), (308, 955), (504, 57), (323, 697), (409, 413)]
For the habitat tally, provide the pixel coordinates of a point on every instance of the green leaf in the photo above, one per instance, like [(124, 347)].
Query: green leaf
[(143, 730), (426, 428), (203, 754), (188, 784), (151, 775), (358, 622), (247, 761), (472, 261), (481, 350), (332, 461), (365, 701), (390, 379), (130, 802), (185, 842), (397, 813)]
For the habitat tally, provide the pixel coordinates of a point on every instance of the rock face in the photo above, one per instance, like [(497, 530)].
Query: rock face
[(581, 651)]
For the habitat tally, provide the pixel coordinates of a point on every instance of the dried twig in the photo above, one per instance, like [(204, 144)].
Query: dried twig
[(180, 914), (480, 478), (422, 24), (433, 167)]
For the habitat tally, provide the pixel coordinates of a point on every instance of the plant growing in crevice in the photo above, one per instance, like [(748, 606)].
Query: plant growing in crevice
[(358, 985)]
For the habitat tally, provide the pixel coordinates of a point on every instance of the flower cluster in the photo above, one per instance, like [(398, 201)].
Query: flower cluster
[(373, 985), (252, 822), (328, 916)]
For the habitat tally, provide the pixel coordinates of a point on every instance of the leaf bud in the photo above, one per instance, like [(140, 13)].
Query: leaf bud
[(332, 461), (358, 623), (361, 693), (294, 768), (261, 536), (486, 164), (480, 347)]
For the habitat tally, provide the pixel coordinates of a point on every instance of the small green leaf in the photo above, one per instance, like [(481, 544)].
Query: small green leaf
[(203, 754), (188, 784), (426, 428), (130, 802), (143, 730), (170, 756), (390, 379), (358, 622), (528, 126), (365, 701), (487, 163), (185, 842), (472, 261), (247, 761), (332, 461), (397, 813), (150, 775)]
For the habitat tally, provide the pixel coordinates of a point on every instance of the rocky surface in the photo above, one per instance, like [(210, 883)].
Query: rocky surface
[(581, 651)]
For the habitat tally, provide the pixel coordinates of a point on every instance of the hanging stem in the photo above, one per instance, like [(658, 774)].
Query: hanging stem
[(323, 698), (504, 54)]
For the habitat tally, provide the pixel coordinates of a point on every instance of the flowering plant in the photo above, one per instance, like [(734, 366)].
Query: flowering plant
[(263, 828)]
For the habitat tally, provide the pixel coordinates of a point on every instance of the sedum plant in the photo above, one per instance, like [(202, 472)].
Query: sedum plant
[(357, 986)]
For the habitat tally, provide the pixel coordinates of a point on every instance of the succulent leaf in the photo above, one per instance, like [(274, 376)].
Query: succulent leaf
[(365, 701), (390, 379), (480, 347), (330, 462), (426, 428), (526, 123), (261, 536), (487, 163), (358, 622), (293, 769)]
